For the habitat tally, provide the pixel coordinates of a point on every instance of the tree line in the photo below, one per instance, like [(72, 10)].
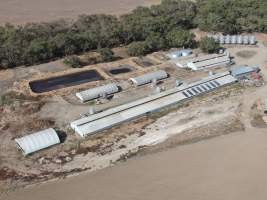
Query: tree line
[(144, 30)]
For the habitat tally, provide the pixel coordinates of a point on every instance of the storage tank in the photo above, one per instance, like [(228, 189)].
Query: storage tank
[(186, 52), (245, 39), (233, 39), (239, 39), (221, 39), (216, 38), (227, 39), (252, 40)]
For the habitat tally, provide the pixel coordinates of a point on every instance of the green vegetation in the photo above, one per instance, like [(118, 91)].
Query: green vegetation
[(180, 38), (209, 45), (73, 61), (149, 29), (232, 16), (101, 55), (137, 49), (6, 100), (106, 54)]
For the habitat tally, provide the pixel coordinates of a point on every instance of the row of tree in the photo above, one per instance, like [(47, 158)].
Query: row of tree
[(144, 30), (232, 16)]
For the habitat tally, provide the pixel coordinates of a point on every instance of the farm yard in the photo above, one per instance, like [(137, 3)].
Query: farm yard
[(86, 87), (25, 111)]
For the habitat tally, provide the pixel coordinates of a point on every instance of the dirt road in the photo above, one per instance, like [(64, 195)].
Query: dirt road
[(22, 11), (226, 167)]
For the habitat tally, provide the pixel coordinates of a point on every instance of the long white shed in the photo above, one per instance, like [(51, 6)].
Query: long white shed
[(117, 115), (97, 92), (37, 141)]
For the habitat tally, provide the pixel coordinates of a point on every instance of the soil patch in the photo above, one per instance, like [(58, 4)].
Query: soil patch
[(246, 54)]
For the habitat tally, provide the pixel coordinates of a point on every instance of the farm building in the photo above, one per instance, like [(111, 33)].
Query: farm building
[(205, 62), (242, 71), (149, 78), (117, 115), (97, 92), (37, 141), (181, 53)]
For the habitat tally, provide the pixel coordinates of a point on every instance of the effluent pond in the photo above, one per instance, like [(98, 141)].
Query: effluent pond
[(55, 83)]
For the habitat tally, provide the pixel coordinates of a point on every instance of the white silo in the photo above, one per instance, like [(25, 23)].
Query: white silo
[(227, 39), (216, 38), (252, 40), (233, 39), (221, 39), (239, 39), (245, 39)]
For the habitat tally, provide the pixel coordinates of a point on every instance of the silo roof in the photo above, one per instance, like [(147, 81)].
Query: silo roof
[(37, 141), (148, 78), (97, 92)]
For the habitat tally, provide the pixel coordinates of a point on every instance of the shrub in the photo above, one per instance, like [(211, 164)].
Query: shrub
[(106, 54), (155, 41), (137, 49), (180, 38), (73, 61), (6, 100), (209, 45)]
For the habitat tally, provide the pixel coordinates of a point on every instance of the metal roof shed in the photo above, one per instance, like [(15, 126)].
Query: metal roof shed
[(37, 141), (148, 78), (242, 70), (97, 92)]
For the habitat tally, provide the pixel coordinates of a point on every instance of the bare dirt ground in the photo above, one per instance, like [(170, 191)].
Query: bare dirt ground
[(20, 12)]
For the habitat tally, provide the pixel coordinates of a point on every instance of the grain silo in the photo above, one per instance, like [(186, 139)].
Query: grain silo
[(233, 39), (216, 38), (227, 39), (252, 40), (245, 39), (239, 39), (221, 39)]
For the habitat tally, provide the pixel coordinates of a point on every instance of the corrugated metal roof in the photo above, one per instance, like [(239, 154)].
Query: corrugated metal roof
[(114, 116), (205, 61), (237, 71), (97, 92), (37, 141), (148, 78), (203, 64)]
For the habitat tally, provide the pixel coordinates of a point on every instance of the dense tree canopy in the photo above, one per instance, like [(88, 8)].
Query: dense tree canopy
[(209, 45), (180, 38), (232, 16)]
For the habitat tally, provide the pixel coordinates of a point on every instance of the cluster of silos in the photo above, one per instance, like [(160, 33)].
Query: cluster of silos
[(235, 39)]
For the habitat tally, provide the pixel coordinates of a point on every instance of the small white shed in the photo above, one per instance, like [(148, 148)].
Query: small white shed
[(97, 92), (148, 78), (37, 141)]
